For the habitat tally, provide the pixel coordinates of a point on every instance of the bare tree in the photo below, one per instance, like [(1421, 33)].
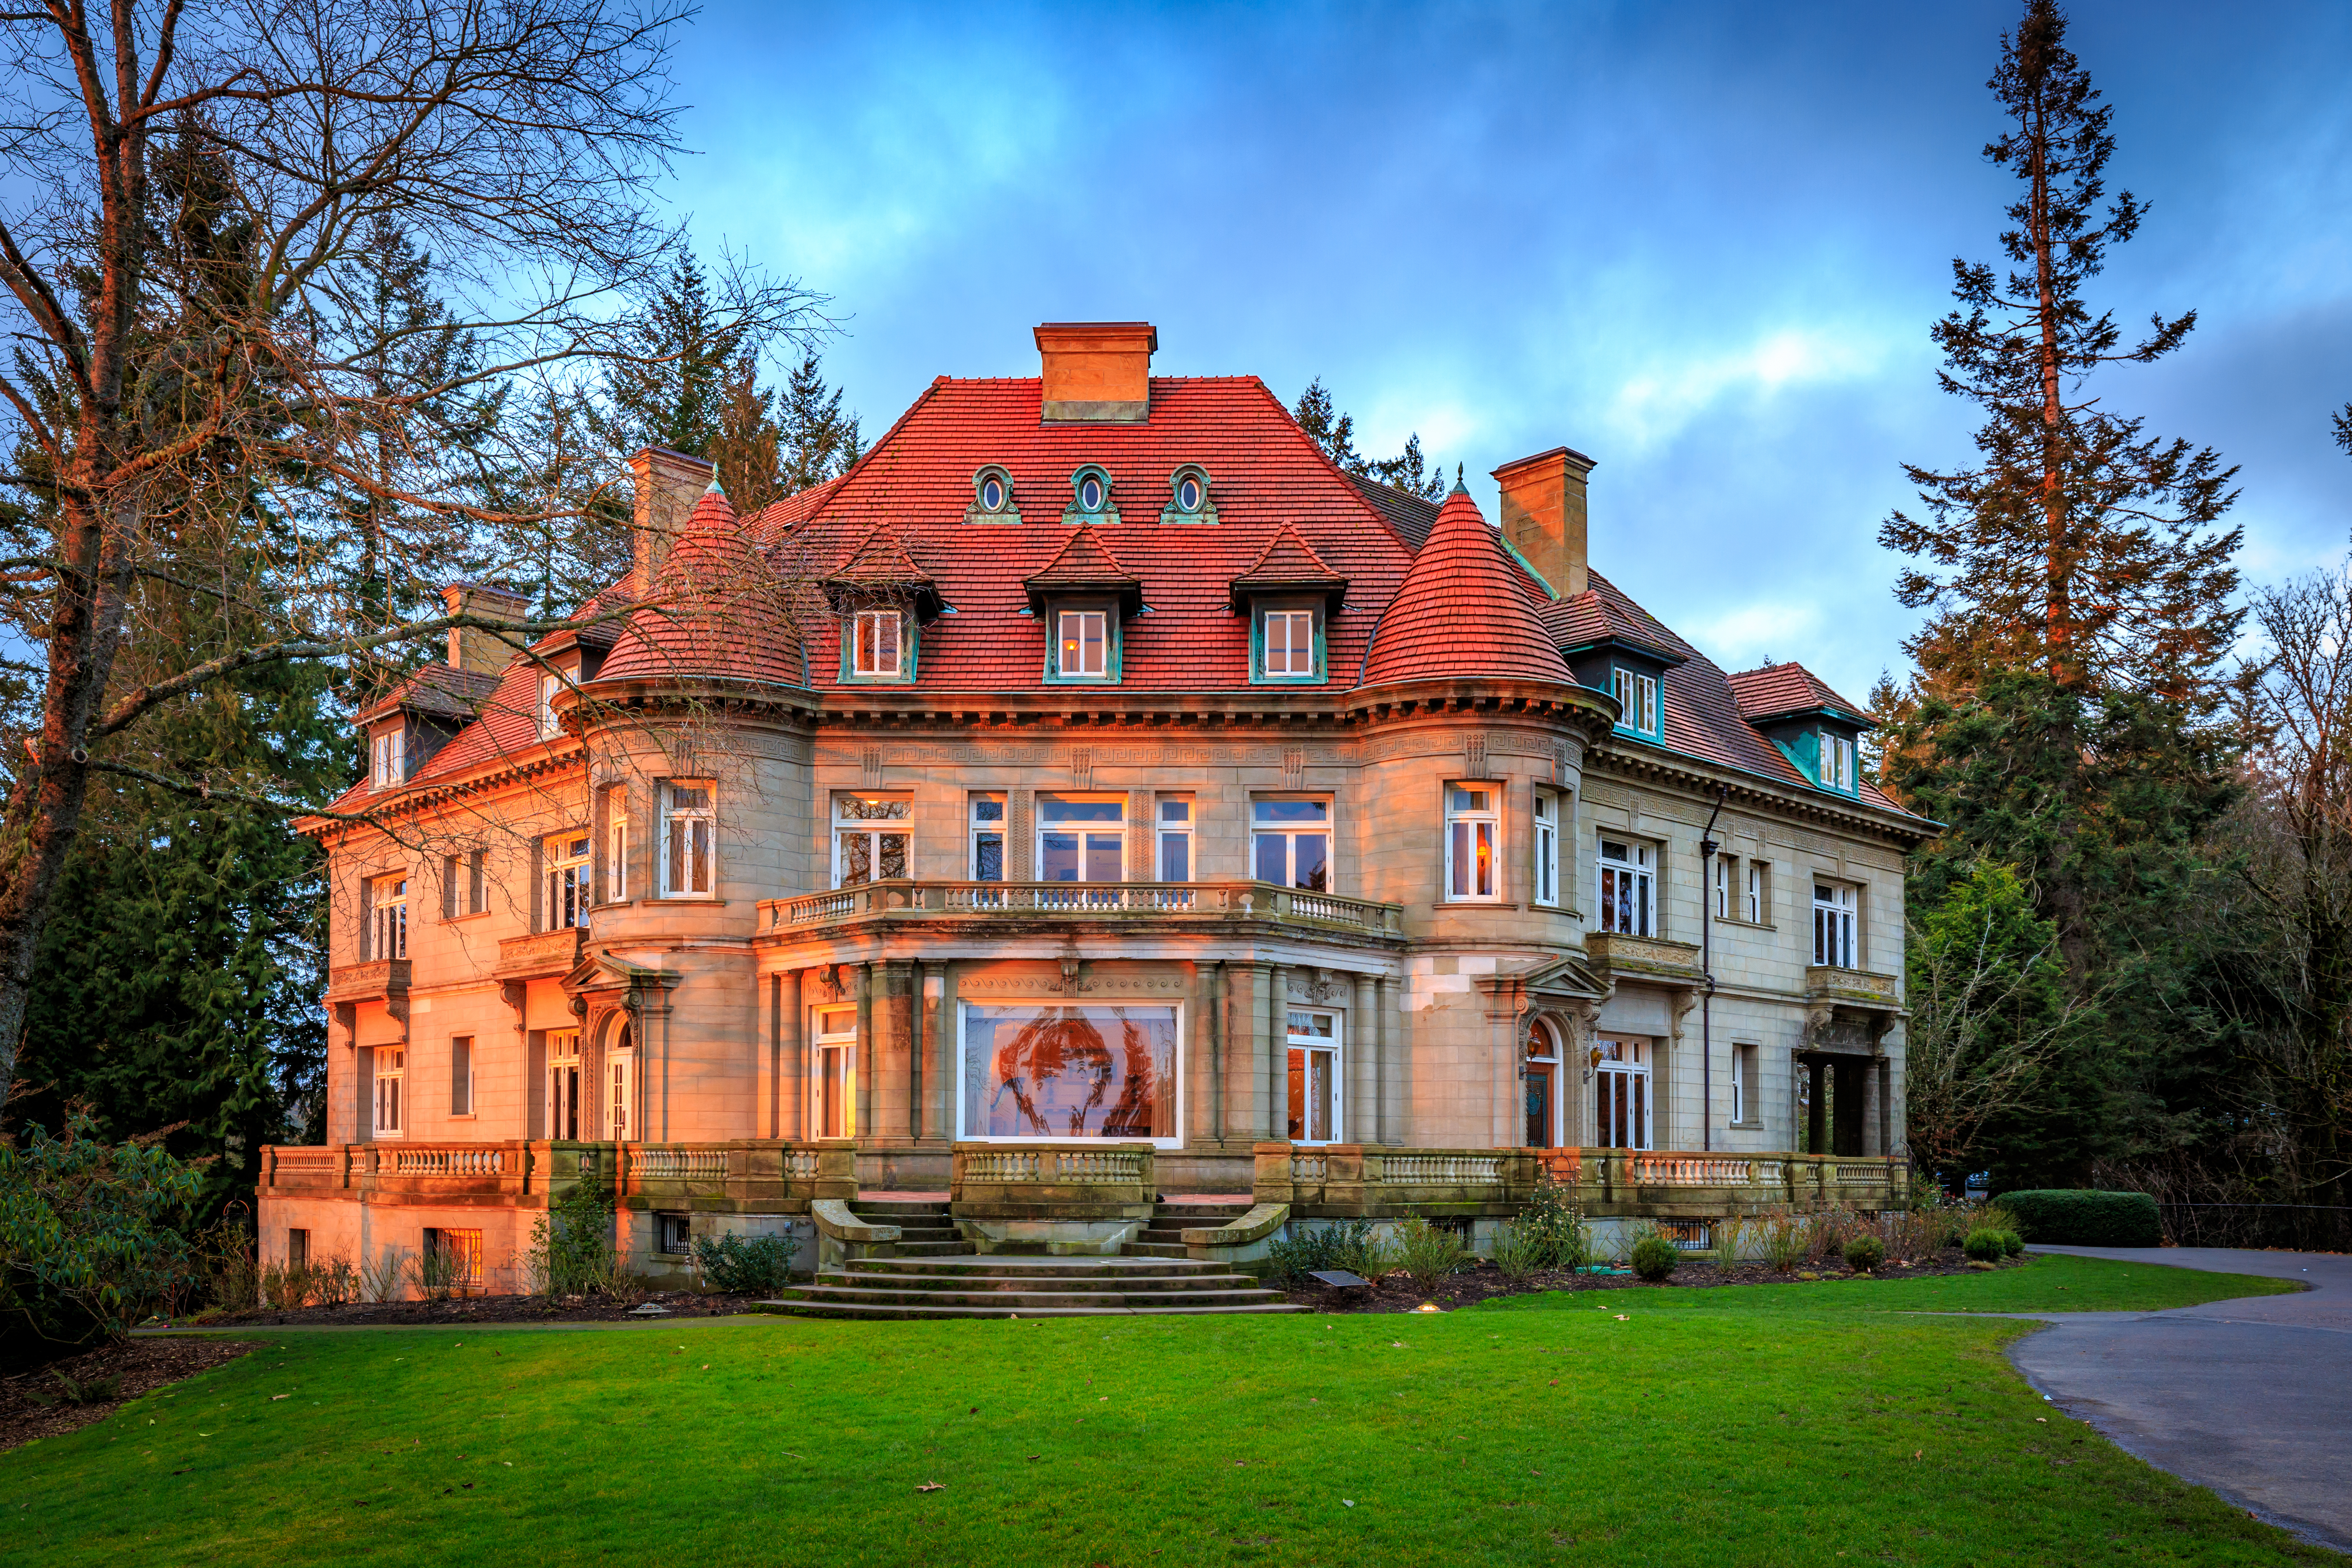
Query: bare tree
[(195, 390)]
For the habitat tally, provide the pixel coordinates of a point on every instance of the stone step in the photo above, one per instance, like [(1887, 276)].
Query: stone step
[(1154, 1249), (1029, 1267), (895, 1214), (1023, 1301), (864, 1277), (865, 1309), (934, 1249)]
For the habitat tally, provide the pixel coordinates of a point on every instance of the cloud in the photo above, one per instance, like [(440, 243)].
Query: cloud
[(1658, 402), (1747, 636)]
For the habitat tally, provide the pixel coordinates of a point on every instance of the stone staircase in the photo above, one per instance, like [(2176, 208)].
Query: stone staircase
[(936, 1275)]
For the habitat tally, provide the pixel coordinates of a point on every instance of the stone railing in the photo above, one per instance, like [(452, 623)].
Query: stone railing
[(1045, 1180), (1173, 901), (1342, 1179), (761, 1176), (543, 954), (1854, 987), (750, 1175), (1618, 953)]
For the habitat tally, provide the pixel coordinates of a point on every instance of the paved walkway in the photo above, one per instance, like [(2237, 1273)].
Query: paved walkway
[(2251, 1397)]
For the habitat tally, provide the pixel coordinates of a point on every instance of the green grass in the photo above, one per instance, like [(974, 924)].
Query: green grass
[(1695, 1430), (2044, 1282)]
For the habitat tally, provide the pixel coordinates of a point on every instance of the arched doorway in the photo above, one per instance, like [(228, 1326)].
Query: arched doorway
[(1541, 1078), (621, 1081)]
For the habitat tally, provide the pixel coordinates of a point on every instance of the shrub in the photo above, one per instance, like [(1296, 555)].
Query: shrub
[(1864, 1253), (1781, 1230), (2085, 1219), (1828, 1230), (1984, 1246), (1348, 1245), (1518, 1251), (758, 1263), (1429, 1252), (1654, 1257), (333, 1281), (438, 1273), (2010, 1242), (1557, 1225), (1924, 1232), (572, 1245), (385, 1279), (93, 1239), (286, 1286)]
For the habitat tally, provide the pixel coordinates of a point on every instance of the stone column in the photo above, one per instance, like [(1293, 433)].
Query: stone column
[(866, 1054), (890, 1009), (1020, 837), (1277, 1054), (1361, 1123), (1220, 1031), (791, 1058), (916, 1035), (1872, 1103), (1143, 863), (947, 1073), (1388, 1044)]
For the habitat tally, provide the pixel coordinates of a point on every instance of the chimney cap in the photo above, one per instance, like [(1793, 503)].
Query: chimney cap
[(1576, 458), (1064, 331)]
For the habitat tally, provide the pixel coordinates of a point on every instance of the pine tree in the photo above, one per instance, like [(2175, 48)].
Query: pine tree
[(670, 391), (2078, 545), (818, 440), (1335, 432)]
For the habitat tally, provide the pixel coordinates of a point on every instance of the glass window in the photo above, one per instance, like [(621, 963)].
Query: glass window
[(993, 492), (1289, 637), (386, 758), (1081, 839), (1083, 641), (616, 846), (1628, 889), (1090, 493), (1759, 898), (567, 881), (1041, 1069), (676, 1237), (1546, 848), (833, 1068), (1314, 1077), (464, 887), (688, 829), (550, 726), (1188, 494), (456, 1258), (390, 1071), (1620, 1082), (872, 839), (1723, 879), (1834, 925), (461, 1075), (563, 1084), (987, 862), (1290, 843), (1473, 823), (1175, 838), (388, 917), (1743, 1083), (1837, 762), (619, 1091), (877, 644), (1637, 696)]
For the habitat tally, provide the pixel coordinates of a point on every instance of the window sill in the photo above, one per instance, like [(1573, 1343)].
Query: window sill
[(1472, 904), (459, 1116), (672, 1257), (461, 919), (1744, 1126), (1745, 925), (688, 898)]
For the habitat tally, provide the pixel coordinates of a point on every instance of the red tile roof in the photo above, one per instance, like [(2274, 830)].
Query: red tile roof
[(720, 610), (1084, 563), (1463, 611), (1780, 689), (1593, 616), (1288, 562), (443, 690)]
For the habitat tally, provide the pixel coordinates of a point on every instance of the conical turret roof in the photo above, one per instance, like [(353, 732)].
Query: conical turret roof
[(717, 610), (1462, 611)]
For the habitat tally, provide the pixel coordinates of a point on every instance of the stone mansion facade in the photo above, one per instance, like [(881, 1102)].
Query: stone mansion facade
[(1095, 766)]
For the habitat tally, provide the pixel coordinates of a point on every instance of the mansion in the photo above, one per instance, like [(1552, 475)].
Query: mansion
[(1093, 796)]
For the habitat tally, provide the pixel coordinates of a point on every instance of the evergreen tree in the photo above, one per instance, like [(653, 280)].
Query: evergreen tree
[(670, 390), (819, 441), (1335, 432)]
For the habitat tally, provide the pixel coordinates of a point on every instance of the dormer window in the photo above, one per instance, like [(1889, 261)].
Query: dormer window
[(387, 758), (1083, 645), (1090, 499), (992, 497), (1637, 701), (550, 725), (879, 646), (1289, 637), (1188, 496), (1836, 753)]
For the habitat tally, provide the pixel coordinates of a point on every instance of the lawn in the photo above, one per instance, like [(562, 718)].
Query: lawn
[(1752, 1427)]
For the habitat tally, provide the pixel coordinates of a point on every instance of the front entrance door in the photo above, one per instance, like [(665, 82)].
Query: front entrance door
[(563, 1084)]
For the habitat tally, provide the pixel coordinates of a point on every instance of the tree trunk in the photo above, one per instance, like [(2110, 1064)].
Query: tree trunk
[(2058, 569)]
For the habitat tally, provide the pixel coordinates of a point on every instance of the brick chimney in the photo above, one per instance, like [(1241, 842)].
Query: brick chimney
[(1097, 372), (1543, 516), (667, 485), (478, 649)]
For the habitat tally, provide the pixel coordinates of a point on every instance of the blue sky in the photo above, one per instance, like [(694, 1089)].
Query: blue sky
[(1702, 243)]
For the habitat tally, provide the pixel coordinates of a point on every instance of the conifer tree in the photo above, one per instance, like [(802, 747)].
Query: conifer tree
[(1335, 432), (818, 441), (671, 391), (2077, 545)]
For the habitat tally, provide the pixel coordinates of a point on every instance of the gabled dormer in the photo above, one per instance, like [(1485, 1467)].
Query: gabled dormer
[(1084, 597), (1289, 595), (1818, 731), (883, 598), (1609, 649), (423, 712)]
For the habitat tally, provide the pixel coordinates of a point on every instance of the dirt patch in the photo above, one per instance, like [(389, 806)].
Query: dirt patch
[(139, 1366), (484, 1310), (1402, 1293)]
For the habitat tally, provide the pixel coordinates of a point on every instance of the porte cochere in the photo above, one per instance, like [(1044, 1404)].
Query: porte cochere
[(1097, 824)]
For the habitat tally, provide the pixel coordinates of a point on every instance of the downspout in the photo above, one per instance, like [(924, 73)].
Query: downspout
[(1706, 848)]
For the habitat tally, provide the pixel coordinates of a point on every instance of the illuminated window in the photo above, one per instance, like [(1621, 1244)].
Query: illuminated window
[(1083, 637), (1627, 886), (687, 846), (872, 839), (1472, 825)]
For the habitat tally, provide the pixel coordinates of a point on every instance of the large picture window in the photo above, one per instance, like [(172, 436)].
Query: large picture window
[(1474, 821), (1081, 839), (872, 840), (1290, 842), (1096, 1070), (1628, 886), (1314, 1043)]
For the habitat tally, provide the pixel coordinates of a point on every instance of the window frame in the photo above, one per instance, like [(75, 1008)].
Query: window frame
[(551, 725), (1203, 512), (664, 1236), (1082, 828), (1720, 879), (388, 1070), (1641, 700), (1262, 615), (465, 885), (978, 828), (1304, 1047), (1745, 1057), (1837, 918), (1488, 816), (557, 1096), (616, 845), (382, 944), (388, 757), (1639, 1072), (841, 1044), (1180, 831), (1328, 829), (1835, 758), (1758, 893), (1174, 1086), (568, 885), (673, 813), (1105, 511), (461, 1076), (1056, 671), (872, 829), (1610, 872), (1544, 816), (854, 668), (1006, 509)]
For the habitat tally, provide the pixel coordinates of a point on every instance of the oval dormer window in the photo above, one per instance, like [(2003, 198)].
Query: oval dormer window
[(1188, 493), (992, 494), (1090, 494)]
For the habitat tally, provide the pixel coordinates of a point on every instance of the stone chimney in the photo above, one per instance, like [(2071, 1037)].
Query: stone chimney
[(478, 649), (1097, 372), (667, 485), (1543, 516)]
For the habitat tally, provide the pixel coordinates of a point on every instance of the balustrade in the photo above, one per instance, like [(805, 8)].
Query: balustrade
[(906, 899)]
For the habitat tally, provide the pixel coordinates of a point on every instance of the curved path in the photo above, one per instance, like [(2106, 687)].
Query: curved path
[(2251, 1397)]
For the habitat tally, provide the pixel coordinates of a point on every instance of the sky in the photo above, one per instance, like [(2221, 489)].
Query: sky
[(1702, 243)]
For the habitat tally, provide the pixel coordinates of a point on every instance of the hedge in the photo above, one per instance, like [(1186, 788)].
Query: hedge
[(2085, 1219)]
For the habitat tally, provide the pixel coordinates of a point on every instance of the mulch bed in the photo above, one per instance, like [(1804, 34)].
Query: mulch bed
[(143, 1365), (1402, 1293), (460, 1312)]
